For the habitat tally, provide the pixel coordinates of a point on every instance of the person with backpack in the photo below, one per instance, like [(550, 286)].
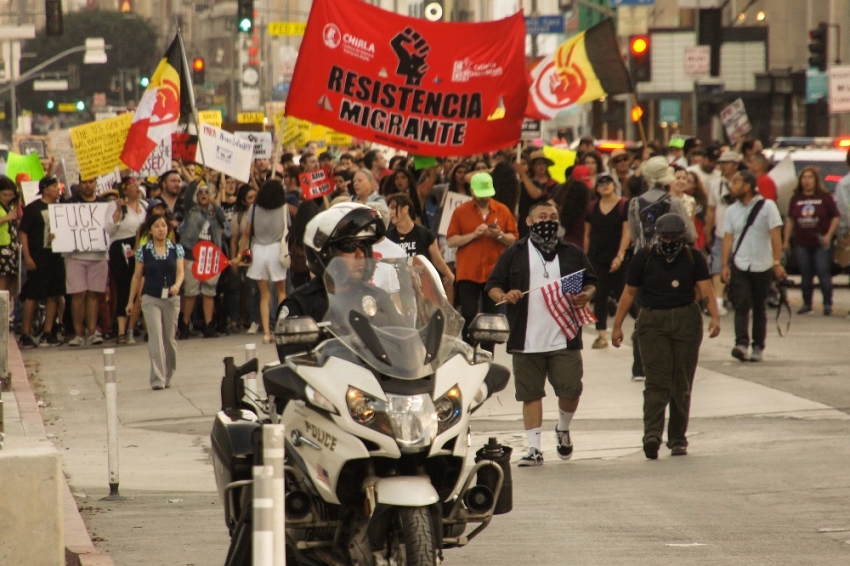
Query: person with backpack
[(752, 253), (606, 238), (644, 211), (667, 277)]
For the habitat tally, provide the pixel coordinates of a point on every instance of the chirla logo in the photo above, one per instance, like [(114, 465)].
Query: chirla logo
[(331, 35)]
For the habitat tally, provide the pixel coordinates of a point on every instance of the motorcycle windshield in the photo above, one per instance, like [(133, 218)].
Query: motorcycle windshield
[(393, 314)]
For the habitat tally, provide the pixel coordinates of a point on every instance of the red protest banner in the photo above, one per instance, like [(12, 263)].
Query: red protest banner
[(317, 183), (184, 146), (431, 88), (209, 261)]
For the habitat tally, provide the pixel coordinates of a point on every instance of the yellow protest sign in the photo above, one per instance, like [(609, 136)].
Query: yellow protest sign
[(333, 137), (98, 145), (563, 158), (287, 28), (296, 132), (278, 119), (317, 133), (211, 117), (251, 118)]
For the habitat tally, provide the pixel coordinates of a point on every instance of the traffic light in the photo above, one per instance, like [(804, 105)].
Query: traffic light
[(198, 67), (144, 82), (245, 16), (81, 105), (818, 40), (53, 13), (640, 58), (51, 105), (637, 113)]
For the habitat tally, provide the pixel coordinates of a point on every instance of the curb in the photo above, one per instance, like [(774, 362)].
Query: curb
[(79, 550)]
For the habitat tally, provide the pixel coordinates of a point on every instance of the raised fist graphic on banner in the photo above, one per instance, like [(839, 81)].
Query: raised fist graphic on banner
[(412, 50)]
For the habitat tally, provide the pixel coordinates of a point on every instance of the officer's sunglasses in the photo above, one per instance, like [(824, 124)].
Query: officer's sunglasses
[(352, 246)]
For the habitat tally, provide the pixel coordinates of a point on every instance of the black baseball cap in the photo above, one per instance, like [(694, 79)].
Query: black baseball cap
[(46, 182)]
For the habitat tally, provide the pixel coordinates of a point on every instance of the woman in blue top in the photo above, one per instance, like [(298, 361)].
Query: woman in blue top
[(160, 262)]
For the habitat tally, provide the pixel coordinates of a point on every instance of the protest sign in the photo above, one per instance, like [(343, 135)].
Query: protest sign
[(184, 147), (98, 145), (251, 118), (225, 152), (211, 117), (159, 161), (296, 132), (317, 183), (79, 227), (30, 190), (30, 164), (31, 144), (62, 150), (450, 203), (209, 261), (735, 120), (426, 87), (262, 143), (105, 182)]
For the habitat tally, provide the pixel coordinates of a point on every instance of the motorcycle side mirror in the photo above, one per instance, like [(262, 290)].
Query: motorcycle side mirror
[(296, 330), (489, 329)]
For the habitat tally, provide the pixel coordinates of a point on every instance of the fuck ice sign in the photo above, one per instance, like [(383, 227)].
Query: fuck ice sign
[(79, 227)]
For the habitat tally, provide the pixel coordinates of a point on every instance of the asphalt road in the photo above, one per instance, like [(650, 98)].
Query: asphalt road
[(766, 480)]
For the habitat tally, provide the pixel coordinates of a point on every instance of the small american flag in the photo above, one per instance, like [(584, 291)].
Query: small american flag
[(322, 475), (558, 296)]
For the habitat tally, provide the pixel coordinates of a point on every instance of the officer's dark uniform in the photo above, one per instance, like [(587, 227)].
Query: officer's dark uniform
[(669, 332)]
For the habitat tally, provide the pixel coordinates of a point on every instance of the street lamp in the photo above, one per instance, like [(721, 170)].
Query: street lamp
[(95, 53)]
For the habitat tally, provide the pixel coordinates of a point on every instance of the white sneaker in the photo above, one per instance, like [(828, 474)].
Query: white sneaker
[(721, 307), (254, 328), (94, 339), (130, 338), (77, 341), (533, 458)]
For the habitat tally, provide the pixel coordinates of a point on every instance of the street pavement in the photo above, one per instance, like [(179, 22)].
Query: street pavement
[(766, 480)]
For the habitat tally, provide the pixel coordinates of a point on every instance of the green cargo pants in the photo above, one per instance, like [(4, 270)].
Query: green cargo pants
[(669, 343)]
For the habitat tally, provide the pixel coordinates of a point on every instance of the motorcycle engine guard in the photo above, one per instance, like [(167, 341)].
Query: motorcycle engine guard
[(406, 491)]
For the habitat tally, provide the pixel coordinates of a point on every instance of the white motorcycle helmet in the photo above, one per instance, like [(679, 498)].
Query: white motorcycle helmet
[(343, 222)]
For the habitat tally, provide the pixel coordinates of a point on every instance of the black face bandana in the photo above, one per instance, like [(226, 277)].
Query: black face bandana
[(544, 235), (669, 250)]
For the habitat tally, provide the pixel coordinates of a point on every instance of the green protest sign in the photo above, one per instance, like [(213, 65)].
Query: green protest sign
[(29, 163)]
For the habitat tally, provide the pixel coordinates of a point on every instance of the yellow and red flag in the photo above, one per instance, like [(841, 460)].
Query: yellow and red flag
[(159, 110), (584, 68)]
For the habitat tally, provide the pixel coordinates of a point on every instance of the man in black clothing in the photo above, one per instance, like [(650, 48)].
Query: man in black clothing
[(539, 346), (45, 269), (667, 275)]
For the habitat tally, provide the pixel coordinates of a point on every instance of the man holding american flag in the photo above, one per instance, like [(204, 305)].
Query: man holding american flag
[(547, 285)]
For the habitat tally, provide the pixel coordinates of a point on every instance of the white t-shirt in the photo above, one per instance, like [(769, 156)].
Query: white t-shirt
[(756, 251), (385, 276), (542, 333), (717, 190), (706, 178)]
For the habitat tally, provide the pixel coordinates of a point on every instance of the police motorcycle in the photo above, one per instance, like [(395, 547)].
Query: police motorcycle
[(376, 411)]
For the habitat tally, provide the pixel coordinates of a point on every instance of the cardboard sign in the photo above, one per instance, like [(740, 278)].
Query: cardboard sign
[(735, 120), (31, 144), (158, 162), (450, 203), (211, 117), (262, 143), (209, 261), (317, 183), (225, 152), (79, 227), (105, 182), (184, 147), (30, 190), (98, 145), (63, 151)]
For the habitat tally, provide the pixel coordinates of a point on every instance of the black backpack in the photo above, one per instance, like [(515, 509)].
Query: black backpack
[(648, 213)]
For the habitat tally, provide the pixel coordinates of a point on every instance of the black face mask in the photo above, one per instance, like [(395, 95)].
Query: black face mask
[(544, 235), (669, 250)]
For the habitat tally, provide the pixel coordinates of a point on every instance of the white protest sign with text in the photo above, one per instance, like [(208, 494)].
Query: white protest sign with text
[(225, 152), (735, 120), (30, 190), (450, 203), (79, 227), (262, 143), (104, 182), (159, 161)]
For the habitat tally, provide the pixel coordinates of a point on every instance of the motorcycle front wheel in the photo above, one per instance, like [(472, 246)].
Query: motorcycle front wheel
[(415, 531)]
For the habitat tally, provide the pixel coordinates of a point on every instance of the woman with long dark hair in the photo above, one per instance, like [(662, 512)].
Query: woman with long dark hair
[(129, 215), (811, 223), (268, 219), (593, 161), (457, 179), (245, 196), (403, 181), (298, 269), (696, 189), (160, 263)]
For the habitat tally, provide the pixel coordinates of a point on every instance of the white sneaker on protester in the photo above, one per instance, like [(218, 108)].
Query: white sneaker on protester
[(94, 339), (77, 341), (533, 458), (721, 307), (254, 328)]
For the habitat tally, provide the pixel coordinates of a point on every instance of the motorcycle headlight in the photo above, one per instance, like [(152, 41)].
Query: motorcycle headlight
[(413, 419), (448, 408), (368, 411), (318, 400)]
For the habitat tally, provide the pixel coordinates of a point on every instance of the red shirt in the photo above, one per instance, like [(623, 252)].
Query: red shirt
[(476, 259), (766, 187)]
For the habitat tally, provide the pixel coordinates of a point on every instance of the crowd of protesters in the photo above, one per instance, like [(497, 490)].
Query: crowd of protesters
[(602, 208)]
